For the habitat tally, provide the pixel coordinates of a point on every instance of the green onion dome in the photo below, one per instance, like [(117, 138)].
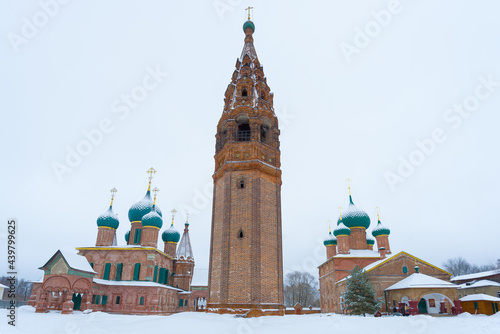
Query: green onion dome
[(330, 240), (370, 241), (152, 218), (380, 230), (127, 236), (108, 219), (171, 235), (342, 230), (249, 24), (354, 217), (141, 208)]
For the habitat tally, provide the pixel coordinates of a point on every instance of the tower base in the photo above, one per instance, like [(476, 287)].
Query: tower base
[(247, 310)]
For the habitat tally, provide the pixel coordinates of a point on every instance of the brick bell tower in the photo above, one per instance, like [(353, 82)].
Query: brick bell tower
[(246, 262)]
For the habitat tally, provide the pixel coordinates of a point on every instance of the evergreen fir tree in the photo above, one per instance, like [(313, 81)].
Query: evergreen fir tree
[(360, 294)]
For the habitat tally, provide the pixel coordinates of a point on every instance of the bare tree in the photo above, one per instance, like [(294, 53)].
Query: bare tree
[(460, 266), (22, 288), (301, 287)]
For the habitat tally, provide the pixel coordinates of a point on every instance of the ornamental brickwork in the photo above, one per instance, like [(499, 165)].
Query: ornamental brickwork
[(246, 265)]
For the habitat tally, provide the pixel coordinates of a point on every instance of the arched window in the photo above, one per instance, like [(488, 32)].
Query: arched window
[(244, 92), (263, 133), (240, 234), (141, 300), (241, 184), (243, 132)]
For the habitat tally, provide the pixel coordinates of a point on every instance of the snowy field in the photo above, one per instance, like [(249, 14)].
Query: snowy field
[(53, 323)]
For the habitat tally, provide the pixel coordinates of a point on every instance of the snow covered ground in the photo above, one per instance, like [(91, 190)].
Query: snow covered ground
[(53, 323)]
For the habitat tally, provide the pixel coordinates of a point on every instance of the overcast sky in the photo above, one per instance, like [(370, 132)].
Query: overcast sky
[(356, 84)]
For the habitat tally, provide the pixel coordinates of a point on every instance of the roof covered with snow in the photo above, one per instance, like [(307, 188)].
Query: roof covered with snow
[(3, 286), (185, 251), (359, 253), (479, 296), (135, 283), (74, 261), (476, 275), (478, 284), (419, 280)]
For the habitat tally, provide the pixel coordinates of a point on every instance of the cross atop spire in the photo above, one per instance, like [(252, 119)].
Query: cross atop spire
[(155, 192), (151, 172), (248, 9), (340, 209), (173, 215), (113, 192), (187, 217), (378, 213), (329, 226), (349, 185)]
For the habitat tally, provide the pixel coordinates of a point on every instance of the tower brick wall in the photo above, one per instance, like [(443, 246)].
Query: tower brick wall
[(343, 244), (246, 265), (105, 236), (357, 239), (383, 241), (331, 250), (149, 236)]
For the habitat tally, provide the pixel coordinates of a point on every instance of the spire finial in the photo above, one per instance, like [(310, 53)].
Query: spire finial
[(349, 185), (329, 227), (113, 192), (340, 209), (151, 172), (155, 192), (248, 9), (378, 213), (173, 215), (187, 217)]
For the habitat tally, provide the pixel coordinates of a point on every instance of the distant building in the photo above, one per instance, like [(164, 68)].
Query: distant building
[(491, 275), (478, 287), (480, 304), (350, 246), (136, 278)]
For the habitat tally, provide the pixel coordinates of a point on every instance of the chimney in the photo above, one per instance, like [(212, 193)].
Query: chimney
[(381, 250)]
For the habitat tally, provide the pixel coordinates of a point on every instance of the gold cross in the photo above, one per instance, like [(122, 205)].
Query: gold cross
[(173, 215), (151, 171), (113, 192), (329, 226), (155, 191), (378, 214), (340, 209), (187, 216), (349, 185), (249, 11)]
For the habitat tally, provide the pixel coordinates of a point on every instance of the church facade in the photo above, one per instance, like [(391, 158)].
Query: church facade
[(135, 278), (429, 292), (246, 263)]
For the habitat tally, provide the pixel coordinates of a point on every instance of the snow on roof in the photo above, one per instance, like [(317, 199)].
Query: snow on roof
[(135, 283), (78, 262), (478, 284), (40, 280), (476, 275), (479, 296), (3, 286), (200, 277), (419, 280), (359, 253), (184, 250)]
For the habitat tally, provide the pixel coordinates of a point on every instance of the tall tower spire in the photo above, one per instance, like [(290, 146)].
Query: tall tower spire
[(246, 264)]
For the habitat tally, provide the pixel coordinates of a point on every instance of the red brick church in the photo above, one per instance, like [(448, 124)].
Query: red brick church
[(135, 278), (398, 278)]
